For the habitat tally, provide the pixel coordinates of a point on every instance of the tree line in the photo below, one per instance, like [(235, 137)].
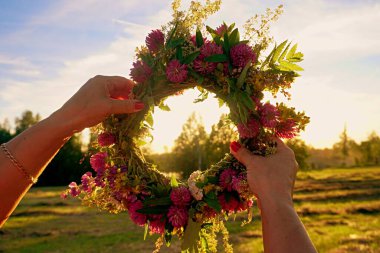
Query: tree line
[(196, 149)]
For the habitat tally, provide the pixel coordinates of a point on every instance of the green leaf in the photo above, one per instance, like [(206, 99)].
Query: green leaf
[(173, 181), (204, 243), (288, 66), (199, 38), (229, 29), (200, 184), (146, 230), (191, 237), (217, 58), (212, 180), (282, 56), (190, 58), (247, 101), (168, 42), (221, 102), (234, 38), (298, 55), (278, 51), (213, 203), (242, 114), (164, 107), (163, 201), (149, 119), (268, 59), (175, 43), (243, 75), (226, 44), (168, 238), (179, 54), (153, 210), (292, 51), (140, 142), (212, 32)]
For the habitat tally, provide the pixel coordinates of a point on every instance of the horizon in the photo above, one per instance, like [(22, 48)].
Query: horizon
[(49, 49)]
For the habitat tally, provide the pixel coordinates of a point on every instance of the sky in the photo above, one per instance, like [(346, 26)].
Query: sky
[(48, 49)]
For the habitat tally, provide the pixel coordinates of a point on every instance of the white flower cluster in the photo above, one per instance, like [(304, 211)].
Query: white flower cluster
[(193, 179)]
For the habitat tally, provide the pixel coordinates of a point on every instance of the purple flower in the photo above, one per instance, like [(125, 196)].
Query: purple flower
[(74, 189), (178, 216), (136, 217), (157, 226), (241, 54), (268, 115), (250, 130), (180, 196), (220, 30), (140, 72), (225, 178), (86, 181), (155, 40), (208, 49), (106, 139), (286, 129), (98, 161), (176, 72)]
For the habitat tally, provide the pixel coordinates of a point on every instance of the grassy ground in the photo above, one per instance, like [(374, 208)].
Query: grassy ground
[(339, 207)]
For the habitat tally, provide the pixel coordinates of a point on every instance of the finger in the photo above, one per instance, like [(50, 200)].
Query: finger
[(120, 87), (242, 154), (125, 106)]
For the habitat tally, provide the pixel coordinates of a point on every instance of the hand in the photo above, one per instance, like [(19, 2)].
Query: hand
[(100, 97), (269, 178)]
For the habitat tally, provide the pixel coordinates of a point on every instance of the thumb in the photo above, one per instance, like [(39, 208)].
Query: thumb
[(125, 106), (242, 154)]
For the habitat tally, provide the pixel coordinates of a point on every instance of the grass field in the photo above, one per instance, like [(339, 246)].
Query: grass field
[(339, 207)]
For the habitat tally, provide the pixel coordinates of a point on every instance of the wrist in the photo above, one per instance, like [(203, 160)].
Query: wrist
[(271, 201), (63, 123)]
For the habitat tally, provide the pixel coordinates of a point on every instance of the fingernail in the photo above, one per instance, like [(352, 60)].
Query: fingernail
[(139, 105), (235, 146)]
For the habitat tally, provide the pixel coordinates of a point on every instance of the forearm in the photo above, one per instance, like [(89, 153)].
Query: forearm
[(283, 231), (33, 149)]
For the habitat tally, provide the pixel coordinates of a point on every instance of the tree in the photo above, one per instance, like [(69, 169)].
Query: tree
[(370, 150), (27, 120), (67, 166), (5, 131), (189, 147), (301, 151), (220, 137), (343, 149), (344, 145)]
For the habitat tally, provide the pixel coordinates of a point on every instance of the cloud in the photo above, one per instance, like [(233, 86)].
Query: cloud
[(20, 66)]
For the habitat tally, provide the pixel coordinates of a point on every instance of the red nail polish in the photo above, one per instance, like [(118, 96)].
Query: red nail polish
[(235, 146), (139, 105)]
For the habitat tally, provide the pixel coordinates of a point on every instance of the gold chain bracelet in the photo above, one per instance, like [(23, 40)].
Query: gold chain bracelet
[(30, 178)]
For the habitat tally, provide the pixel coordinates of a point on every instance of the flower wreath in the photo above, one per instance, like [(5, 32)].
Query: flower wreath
[(175, 59)]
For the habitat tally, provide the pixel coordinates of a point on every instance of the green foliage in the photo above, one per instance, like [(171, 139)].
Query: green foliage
[(282, 59), (212, 201), (217, 58), (301, 152), (189, 147), (5, 132), (191, 237), (220, 137), (199, 38), (67, 166), (26, 120)]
